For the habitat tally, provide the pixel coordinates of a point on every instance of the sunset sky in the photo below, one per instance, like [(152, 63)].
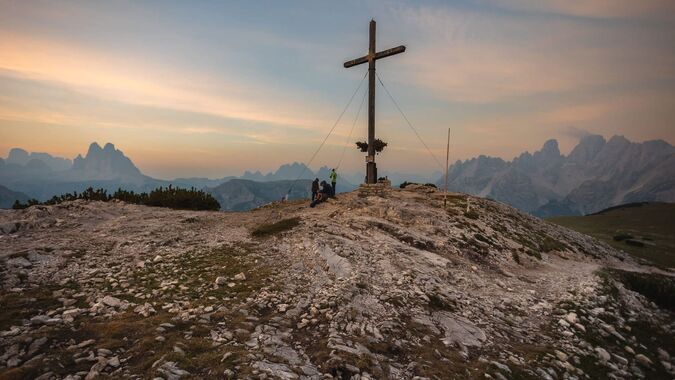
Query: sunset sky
[(214, 88)]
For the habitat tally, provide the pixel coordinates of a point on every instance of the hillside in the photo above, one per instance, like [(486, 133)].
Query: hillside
[(8, 197), (644, 230), (374, 287), (242, 195)]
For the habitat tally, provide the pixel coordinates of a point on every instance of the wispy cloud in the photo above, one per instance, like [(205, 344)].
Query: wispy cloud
[(469, 56), (131, 80), (238, 86), (607, 9)]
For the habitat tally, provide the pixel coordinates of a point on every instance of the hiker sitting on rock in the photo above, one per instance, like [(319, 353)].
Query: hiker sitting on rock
[(325, 193), (326, 190)]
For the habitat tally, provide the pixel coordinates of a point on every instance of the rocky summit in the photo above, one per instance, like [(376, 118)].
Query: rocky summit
[(357, 288)]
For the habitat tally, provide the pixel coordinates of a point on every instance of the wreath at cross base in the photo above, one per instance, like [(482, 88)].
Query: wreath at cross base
[(377, 144)]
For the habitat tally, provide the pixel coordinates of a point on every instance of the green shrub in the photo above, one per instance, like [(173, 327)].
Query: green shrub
[(378, 144), (171, 197), (20, 206)]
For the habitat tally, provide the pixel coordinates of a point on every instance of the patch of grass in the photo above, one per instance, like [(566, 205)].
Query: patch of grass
[(645, 336), (471, 214), (653, 222), (19, 306), (199, 271), (438, 361), (523, 240), (533, 253), (203, 360), (134, 335), (265, 230), (550, 244)]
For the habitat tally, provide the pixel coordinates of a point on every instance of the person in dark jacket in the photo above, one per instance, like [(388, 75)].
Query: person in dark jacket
[(325, 193), (315, 188), (326, 190)]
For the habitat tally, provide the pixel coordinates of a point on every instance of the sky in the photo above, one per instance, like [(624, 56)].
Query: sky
[(213, 88)]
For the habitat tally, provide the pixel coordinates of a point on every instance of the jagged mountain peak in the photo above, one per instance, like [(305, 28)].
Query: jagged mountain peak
[(550, 148), (105, 163), (18, 155), (94, 148), (618, 140), (595, 175), (108, 148)]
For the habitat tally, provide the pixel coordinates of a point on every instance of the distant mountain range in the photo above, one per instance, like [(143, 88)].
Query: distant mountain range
[(244, 194), (21, 157), (300, 171), (595, 175), (39, 175)]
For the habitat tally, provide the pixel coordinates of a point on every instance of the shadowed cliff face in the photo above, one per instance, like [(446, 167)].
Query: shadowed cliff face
[(392, 287), (595, 175), (43, 176), (104, 164)]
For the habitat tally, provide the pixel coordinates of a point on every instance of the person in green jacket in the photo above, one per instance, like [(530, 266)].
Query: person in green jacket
[(333, 179)]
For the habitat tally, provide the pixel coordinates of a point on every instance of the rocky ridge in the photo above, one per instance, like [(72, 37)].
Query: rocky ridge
[(361, 288), (596, 174)]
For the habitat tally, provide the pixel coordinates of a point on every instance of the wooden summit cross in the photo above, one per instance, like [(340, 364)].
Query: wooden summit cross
[(371, 168)]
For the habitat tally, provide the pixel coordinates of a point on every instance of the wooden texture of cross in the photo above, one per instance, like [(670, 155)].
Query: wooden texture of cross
[(371, 57)]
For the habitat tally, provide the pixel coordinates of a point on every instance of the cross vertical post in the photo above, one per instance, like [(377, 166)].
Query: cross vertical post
[(373, 55), (371, 167)]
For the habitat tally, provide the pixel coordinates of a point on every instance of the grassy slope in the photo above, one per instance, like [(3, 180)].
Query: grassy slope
[(652, 223)]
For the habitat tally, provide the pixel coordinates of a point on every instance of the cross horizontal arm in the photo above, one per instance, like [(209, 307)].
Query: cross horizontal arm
[(356, 61), (379, 55), (390, 52)]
